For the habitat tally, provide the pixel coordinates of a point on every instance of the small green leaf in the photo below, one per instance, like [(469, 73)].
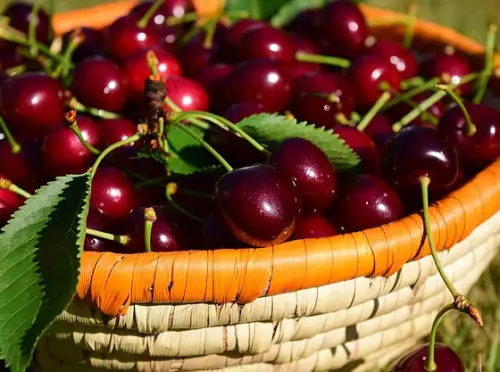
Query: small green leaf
[(258, 9), (271, 130), (291, 9), (40, 251)]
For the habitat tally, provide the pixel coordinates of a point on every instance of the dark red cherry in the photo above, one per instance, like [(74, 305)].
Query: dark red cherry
[(316, 109), (213, 78), (313, 227), (401, 109), (365, 201), (258, 204), (112, 194), (234, 34), (170, 8), (311, 171), (10, 59), (124, 37), (94, 44), (195, 55), (267, 43), (135, 68), (62, 151), (477, 150), (115, 130), (302, 44), (32, 101), (450, 68), (99, 83), (19, 15), (418, 151), (214, 234), (307, 23), (343, 29), (446, 359), (362, 145), (239, 111), (395, 53), (380, 130), (128, 158), (22, 168), (367, 74), (187, 94), (262, 81), (9, 203), (97, 221), (168, 37)]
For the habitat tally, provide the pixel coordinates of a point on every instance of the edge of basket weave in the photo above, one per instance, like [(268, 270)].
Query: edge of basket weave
[(112, 281)]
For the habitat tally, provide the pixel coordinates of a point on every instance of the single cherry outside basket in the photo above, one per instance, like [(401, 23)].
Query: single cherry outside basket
[(353, 301)]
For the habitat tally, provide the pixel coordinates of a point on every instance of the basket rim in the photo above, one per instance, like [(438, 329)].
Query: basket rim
[(112, 281)]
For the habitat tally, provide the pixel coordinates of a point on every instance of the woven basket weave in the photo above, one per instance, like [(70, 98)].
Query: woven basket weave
[(350, 302)]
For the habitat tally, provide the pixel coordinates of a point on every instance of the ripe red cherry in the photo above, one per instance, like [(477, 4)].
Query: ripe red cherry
[(239, 111), (307, 23), (115, 130), (195, 56), (262, 81), (187, 94), (446, 359), (367, 73), (32, 101), (266, 43), (94, 44), (99, 83), (343, 28), (213, 78), (365, 201), (312, 227), (97, 221), (214, 234), (477, 150), (9, 203), (380, 131), (124, 37), (400, 57), (311, 171), (21, 168), (9, 59), (418, 151), (112, 194), (168, 37), (233, 36), (62, 151), (450, 68), (136, 69), (315, 109), (301, 44), (19, 15), (171, 8), (258, 204)]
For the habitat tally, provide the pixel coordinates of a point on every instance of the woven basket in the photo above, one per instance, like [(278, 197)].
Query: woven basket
[(350, 302)]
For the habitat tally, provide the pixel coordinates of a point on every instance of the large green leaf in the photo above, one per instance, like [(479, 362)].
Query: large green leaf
[(273, 129), (40, 251), (259, 9)]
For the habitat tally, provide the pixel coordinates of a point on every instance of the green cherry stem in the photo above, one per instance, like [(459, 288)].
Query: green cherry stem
[(103, 114), (471, 128), (355, 117), (210, 29), (431, 364), (63, 68), (428, 85), (173, 106), (149, 220), (120, 239), (15, 147), (202, 142), (488, 67), (170, 191), (143, 22), (382, 100), (113, 147), (72, 123), (410, 26), (412, 83), (6, 184), (186, 18), (325, 60), (33, 43)]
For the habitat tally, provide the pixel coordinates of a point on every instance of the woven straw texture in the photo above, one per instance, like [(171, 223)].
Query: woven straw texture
[(354, 301)]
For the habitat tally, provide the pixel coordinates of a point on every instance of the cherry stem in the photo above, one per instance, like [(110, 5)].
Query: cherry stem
[(431, 364), (429, 84), (471, 128), (202, 142), (355, 117), (412, 82), (143, 22), (199, 123), (120, 239), (426, 115), (15, 147), (382, 100), (19, 69), (410, 26), (210, 29), (72, 123), (33, 44), (6, 184), (325, 60), (149, 220), (171, 190), (113, 147), (103, 114), (224, 124), (188, 17), (76, 39), (488, 66)]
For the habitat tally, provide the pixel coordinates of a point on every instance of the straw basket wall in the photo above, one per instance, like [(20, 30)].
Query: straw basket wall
[(351, 302)]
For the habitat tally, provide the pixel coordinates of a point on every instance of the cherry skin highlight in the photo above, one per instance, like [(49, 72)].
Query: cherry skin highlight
[(268, 43), (187, 94)]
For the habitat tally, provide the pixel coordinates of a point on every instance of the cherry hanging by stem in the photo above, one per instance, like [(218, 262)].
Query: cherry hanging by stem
[(471, 128), (149, 220), (72, 123), (488, 67), (143, 22), (325, 60), (383, 99), (14, 145), (6, 184), (120, 239), (103, 114)]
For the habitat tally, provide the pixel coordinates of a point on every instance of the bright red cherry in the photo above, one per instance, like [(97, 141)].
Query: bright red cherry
[(19, 15), (115, 130), (112, 194), (266, 43), (313, 227), (446, 359), (394, 52), (187, 94)]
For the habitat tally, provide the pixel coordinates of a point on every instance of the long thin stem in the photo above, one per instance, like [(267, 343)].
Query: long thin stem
[(471, 128), (186, 18), (143, 22), (199, 123), (120, 239), (382, 100), (431, 364), (113, 147), (6, 184), (103, 114), (210, 29), (15, 147), (325, 60), (171, 189), (488, 66), (149, 220), (412, 82), (410, 26), (33, 22), (75, 41), (429, 84)]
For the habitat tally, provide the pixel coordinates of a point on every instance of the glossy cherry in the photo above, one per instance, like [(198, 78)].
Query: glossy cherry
[(401, 109), (19, 15), (418, 151), (262, 81), (302, 44), (312, 227), (446, 359), (395, 53), (170, 8), (233, 36), (239, 111), (214, 234), (135, 68), (258, 204), (266, 43), (115, 130), (94, 44), (112, 193), (195, 56), (62, 151), (124, 37), (168, 37), (316, 109), (451, 68), (187, 94), (477, 150), (32, 101), (98, 82), (380, 130), (97, 221), (343, 29), (367, 74), (214, 79), (365, 201), (9, 203), (22, 168)]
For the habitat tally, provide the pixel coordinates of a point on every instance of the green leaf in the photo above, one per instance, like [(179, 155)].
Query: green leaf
[(40, 251), (271, 130), (258, 9), (291, 9)]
